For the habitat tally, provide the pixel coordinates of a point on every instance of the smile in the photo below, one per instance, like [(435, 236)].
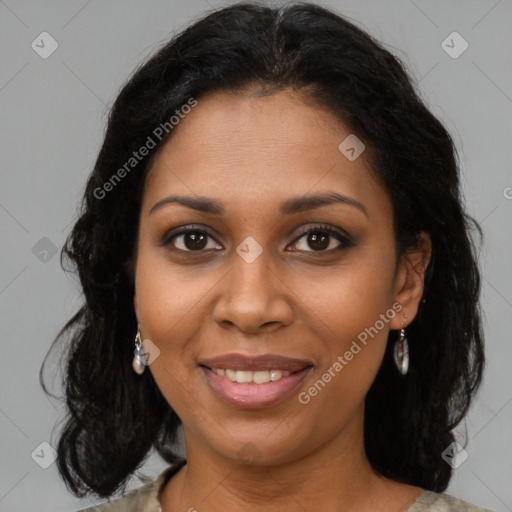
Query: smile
[(253, 381)]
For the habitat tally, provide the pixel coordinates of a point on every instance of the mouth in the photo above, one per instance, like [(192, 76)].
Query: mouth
[(253, 381)]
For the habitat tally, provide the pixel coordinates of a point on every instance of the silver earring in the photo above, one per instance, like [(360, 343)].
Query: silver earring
[(401, 353), (139, 358)]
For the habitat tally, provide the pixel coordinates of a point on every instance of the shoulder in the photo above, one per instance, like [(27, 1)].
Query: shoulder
[(432, 502), (142, 499)]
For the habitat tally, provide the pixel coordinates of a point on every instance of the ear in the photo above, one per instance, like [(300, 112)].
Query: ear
[(410, 279)]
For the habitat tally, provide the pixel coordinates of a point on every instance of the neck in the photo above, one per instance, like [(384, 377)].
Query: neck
[(338, 473)]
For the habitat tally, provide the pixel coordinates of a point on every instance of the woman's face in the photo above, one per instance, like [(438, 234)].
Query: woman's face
[(249, 292)]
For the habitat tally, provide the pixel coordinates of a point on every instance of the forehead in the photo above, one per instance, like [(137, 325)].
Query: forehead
[(253, 150)]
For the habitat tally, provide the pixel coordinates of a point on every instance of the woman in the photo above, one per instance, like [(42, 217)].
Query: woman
[(274, 254)]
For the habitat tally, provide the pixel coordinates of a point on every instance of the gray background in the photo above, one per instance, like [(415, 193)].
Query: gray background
[(53, 114)]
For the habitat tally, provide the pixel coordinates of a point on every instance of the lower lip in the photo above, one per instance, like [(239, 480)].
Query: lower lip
[(250, 395)]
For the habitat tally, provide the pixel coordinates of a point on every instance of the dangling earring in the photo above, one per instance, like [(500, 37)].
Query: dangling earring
[(401, 353), (139, 359)]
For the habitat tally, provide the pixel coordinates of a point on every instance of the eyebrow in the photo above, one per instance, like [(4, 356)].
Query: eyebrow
[(288, 207)]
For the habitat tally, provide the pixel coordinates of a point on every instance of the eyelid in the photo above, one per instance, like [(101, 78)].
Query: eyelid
[(327, 228)]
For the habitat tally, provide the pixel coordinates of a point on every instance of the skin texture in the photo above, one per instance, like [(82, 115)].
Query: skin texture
[(251, 152)]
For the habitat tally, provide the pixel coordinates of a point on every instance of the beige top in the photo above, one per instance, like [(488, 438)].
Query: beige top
[(145, 499)]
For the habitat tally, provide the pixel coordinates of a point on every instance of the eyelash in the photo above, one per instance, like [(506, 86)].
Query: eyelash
[(341, 236)]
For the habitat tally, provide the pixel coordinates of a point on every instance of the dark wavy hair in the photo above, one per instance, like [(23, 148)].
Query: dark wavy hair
[(114, 417)]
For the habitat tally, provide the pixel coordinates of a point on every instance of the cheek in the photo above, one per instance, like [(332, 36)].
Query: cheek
[(170, 311), (353, 348), (350, 311), (350, 298), (169, 316), (170, 297)]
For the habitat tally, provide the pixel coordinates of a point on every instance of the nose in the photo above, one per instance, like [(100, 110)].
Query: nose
[(253, 298)]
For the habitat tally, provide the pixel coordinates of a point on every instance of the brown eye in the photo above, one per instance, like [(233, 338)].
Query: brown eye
[(192, 240), (195, 240), (321, 239), (318, 241)]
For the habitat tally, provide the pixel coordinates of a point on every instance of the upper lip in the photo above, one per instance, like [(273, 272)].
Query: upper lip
[(255, 363)]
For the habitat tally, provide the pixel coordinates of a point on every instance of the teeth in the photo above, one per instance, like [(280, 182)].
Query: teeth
[(260, 377), (243, 377), (257, 377), (275, 374)]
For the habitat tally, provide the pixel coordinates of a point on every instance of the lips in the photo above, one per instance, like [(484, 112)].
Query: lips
[(255, 363), (253, 382)]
